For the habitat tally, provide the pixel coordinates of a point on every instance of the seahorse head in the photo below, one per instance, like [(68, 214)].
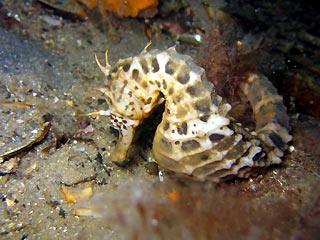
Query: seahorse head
[(128, 89), (131, 98)]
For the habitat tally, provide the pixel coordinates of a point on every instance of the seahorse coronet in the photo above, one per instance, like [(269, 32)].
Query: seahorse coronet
[(195, 136)]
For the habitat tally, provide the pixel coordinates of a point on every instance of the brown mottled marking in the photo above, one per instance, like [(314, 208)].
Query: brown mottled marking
[(148, 101), (183, 77), (204, 157), (144, 65), (258, 156), (195, 159), (203, 106), (151, 82), (215, 137), (144, 84), (184, 126), (155, 65), (166, 126), (277, 140), (181, 111), (125, 83), (115, 69), (177, 99), (237, 151), (126, 67), (190, 145), (165, 144), (164, 84), (170, 68), (220, 173), (183, 129), (206, 169), (135, 74), (204, 118), (192, 90), (225, 143)]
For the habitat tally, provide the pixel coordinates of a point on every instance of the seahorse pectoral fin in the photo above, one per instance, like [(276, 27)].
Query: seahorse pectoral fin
[(119, 154)]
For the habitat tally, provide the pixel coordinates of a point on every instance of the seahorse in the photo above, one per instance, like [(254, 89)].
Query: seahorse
[(195, 137)]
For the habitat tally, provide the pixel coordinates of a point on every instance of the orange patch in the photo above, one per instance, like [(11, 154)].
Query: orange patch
[(126, 8), (73, 197), (174, 196), (269, 114)]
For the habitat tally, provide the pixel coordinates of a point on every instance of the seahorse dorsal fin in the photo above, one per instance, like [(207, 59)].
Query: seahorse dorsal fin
[(173, 48), (145, 49)]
